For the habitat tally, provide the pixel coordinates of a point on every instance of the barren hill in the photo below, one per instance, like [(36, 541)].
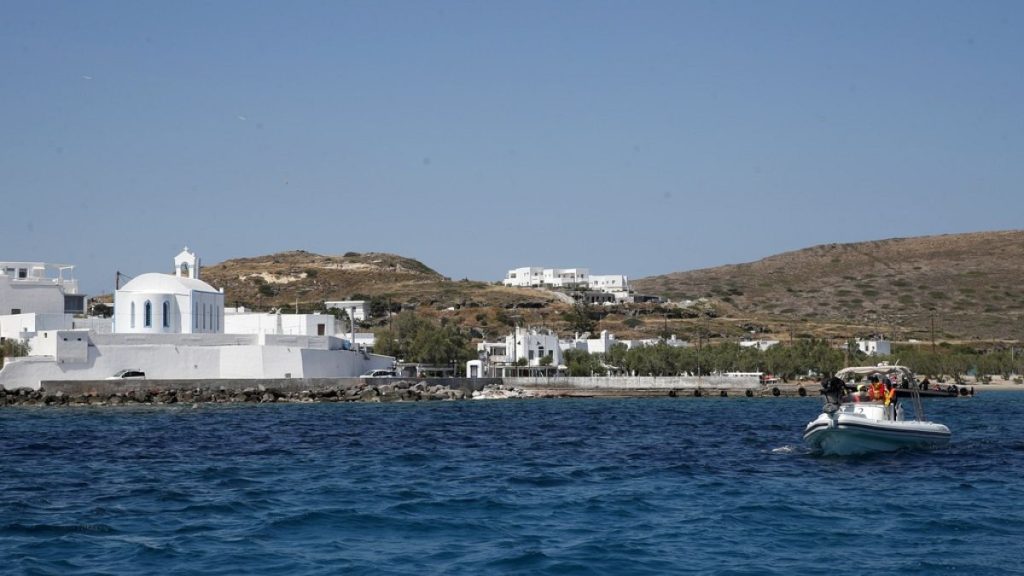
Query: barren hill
[(287, 278), (968, 285)]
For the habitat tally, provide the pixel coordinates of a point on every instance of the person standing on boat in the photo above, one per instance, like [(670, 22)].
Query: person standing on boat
[(890, 399)]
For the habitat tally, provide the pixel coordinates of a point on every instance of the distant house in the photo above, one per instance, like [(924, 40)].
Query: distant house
[(40, 288), (576, 278), (532, 277), (761, 344), (873, 347), (526, 346), (605, 341), (358, 310)]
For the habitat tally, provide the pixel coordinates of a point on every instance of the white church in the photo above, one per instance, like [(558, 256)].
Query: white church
[(172, 327), (178, 303)]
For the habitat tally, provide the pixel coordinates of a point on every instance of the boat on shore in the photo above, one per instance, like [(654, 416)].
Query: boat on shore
[(870, 417)]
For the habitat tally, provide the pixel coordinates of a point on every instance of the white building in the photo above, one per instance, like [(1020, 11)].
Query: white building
[(25, 326), (875, 347), (27, 287), (83, 355), (547, 277), (358, 310), (178, 303), (609, 283), (532, 346), (532, 277), (240, 322), (761, 344), (171, 327), (606, 341)]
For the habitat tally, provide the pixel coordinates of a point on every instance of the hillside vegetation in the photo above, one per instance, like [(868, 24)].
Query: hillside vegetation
[(966, 286), (969, 285), (304, 280)]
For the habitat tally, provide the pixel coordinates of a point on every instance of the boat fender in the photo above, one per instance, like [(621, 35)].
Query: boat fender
[(723, 393), (750, 393), (776, 391), (801, 391)]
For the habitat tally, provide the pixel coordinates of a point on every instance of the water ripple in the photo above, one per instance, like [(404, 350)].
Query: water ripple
[(639, 486)]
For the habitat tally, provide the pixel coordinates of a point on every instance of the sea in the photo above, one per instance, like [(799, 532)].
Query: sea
[(720, 486)]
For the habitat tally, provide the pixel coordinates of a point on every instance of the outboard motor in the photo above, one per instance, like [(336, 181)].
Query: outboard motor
[(833, 389)]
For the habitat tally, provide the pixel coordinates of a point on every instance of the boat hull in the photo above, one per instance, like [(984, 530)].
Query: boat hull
[(843, 435)]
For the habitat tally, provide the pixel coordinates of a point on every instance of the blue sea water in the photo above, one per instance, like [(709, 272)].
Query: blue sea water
[(574, 486)]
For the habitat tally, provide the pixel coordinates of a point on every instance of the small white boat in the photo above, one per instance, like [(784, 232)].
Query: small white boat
[(855, 424)]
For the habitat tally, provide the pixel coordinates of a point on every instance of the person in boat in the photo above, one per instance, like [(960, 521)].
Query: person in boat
[(875, 389), (862, 394), (890, 400), (834, 387)]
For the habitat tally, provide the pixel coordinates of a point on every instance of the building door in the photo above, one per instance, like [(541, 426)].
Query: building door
[(321, 329)]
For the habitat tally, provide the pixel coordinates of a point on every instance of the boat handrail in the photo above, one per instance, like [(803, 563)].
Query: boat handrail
[(915, 396)]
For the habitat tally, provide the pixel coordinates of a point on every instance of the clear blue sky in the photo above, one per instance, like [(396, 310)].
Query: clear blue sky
[(628, 137)]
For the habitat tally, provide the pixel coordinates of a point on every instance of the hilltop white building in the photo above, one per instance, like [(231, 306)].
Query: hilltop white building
[(532, 277)]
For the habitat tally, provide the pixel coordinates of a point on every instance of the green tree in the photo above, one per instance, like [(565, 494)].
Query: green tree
[(580, 318), (12, 348), (580, 363), (416, 339)]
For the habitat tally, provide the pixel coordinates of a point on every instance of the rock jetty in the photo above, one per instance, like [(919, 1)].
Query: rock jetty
[(393, 391)]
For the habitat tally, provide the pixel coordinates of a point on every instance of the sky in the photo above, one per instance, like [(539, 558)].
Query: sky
[(635, 138)]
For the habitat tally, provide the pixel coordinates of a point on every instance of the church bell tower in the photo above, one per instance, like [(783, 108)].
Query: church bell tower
[(186, 265)]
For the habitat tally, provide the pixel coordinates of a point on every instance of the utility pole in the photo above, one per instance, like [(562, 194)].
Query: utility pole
[(933, 331)]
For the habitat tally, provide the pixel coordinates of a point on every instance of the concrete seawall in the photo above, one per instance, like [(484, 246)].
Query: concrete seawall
[(627, 386)]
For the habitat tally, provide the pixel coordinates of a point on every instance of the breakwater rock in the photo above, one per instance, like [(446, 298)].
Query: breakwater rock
[(169, 392), (152, 393)]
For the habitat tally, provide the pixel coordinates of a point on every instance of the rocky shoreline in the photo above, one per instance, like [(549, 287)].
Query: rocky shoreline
[(155, 393), (401, 391)]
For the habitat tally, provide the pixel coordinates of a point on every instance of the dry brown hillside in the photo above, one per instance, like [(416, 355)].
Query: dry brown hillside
[(281, 280), (969, 285)]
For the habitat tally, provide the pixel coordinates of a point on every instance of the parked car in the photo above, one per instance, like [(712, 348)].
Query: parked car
[(379, 374), (128, 374)]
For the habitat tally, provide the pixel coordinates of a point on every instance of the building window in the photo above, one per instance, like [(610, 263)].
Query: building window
[(147, 314), (133, 315), (167, 314), (195, 316), (184, 269)]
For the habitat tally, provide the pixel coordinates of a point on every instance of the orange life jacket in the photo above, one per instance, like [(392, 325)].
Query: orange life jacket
[(877, 391)]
